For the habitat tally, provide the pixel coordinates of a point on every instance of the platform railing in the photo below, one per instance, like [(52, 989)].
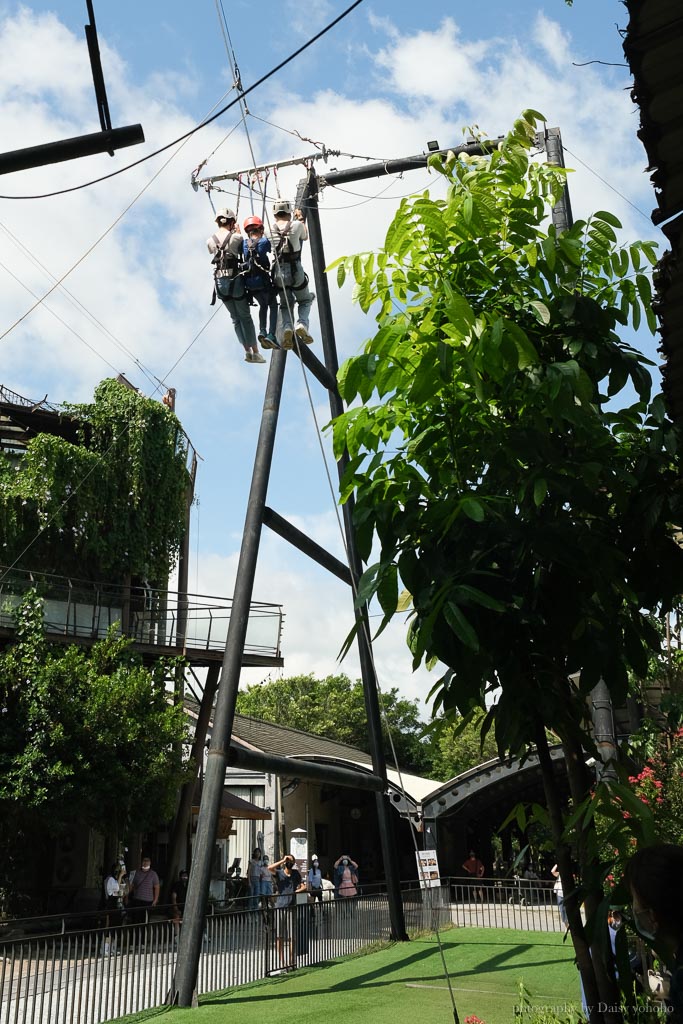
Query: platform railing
[(151, 617)]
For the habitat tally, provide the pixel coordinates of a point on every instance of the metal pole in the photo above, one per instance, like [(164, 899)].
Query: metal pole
[(604, 732), (314, 771), (368, 675), (184, 558), (404, 163), (304, 543), (562, 210), (190, 942), (71, 149), (177, 848)]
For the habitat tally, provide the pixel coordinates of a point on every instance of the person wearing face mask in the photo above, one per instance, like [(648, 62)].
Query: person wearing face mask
[(266, 887), (254, 878), (288, 881), (144, 891), (315, 880), (654, 877), (345, 877)]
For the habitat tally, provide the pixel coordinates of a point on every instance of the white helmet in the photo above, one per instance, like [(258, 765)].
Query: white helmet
[(225, 214), (282, 206)]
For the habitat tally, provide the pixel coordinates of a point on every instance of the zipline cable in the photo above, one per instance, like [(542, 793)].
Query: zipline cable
[(204, 123), (605, 182), (78, 305)]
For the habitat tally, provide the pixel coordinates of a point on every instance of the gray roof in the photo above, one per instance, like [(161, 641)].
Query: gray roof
[(280, 739)]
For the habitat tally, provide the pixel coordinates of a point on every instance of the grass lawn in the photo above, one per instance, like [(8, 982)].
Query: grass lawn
[(404, 982)]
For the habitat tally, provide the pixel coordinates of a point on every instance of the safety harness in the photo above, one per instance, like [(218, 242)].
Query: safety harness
[(285, 253), (225, 263)]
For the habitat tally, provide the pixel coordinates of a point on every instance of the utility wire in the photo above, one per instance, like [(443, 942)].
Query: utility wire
[(605, 182), (78, 305), (59, 318), (206, 121), (97, 241)]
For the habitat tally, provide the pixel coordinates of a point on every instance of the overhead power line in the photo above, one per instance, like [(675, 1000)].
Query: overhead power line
[(203, 124)]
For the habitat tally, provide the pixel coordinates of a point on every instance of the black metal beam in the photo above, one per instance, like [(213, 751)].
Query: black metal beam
[(367, 665), (278, 524), (96, 68), (562, 210), (190, 942), (315, 771), (318, 369), (71, 149), (405, 163)]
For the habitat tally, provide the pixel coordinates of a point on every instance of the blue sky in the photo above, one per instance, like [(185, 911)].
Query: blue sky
[(387, 79)]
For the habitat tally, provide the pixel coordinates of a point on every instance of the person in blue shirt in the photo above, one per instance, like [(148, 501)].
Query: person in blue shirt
[(255, 249)]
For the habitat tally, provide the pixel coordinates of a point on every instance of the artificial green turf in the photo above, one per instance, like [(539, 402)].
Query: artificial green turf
[(406, 981)]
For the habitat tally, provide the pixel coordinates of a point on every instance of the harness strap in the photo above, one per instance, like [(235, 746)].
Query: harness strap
[(300, 287), (282, 240), (221, 257)]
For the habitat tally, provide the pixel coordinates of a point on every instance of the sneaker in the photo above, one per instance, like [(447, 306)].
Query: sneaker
[(287, 338), (248, 357), (272, 339), (256, 357), (302, 333), (265, 341)]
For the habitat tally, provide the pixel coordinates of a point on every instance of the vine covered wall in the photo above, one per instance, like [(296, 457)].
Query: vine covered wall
[(110, 505)]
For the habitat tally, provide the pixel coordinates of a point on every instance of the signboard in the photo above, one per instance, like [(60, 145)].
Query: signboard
[(428, 869), (298, 847)]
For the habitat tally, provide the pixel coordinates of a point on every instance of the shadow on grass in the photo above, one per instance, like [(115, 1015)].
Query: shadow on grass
[(381, 976)]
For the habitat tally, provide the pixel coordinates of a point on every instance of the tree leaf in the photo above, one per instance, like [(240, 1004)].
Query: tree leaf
[(460, 626)]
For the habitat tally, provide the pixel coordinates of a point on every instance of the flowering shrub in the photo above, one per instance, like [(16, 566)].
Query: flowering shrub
[(651, 805)]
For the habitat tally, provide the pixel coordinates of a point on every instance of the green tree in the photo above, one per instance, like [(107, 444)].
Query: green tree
[(457, 744), (85, 737), (527, 514), (334, 707)]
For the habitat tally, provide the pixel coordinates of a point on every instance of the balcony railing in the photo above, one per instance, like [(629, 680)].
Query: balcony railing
[(157, 618)]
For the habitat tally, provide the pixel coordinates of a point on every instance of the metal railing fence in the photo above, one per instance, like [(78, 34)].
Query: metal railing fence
[(84, 970), (527, 904), (106, 971), (87, 610)]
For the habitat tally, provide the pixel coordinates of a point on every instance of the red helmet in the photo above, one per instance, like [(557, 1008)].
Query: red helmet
[(253, 222)]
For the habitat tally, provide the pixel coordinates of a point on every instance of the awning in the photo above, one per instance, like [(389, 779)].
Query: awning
[(233, 806)]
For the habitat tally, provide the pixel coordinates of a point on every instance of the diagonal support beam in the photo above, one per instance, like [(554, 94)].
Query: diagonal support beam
[(300, 540)]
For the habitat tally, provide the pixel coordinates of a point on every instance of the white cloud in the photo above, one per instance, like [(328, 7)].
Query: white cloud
[(552, 40), (439, 65), (149, 279)]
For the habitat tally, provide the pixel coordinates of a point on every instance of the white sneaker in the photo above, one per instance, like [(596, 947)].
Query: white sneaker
[(256, 357), (302, 334), (248, 357), (287, 338)]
